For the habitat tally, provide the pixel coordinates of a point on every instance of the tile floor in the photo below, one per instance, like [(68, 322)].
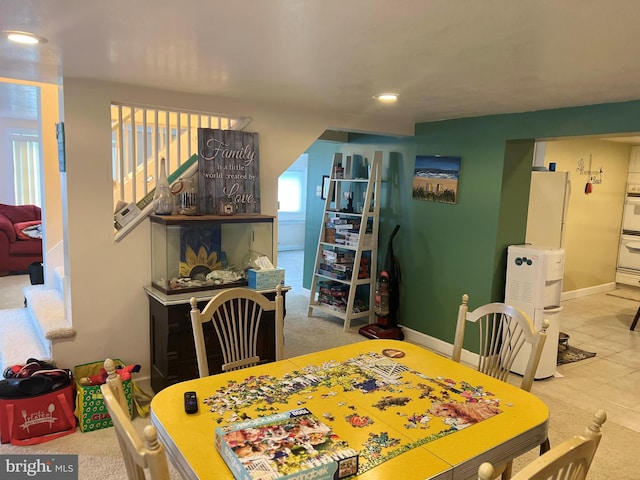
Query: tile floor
[(610, 380), (597, 323)]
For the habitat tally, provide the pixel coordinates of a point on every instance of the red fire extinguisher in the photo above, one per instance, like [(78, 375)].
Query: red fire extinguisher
[(382, 296)]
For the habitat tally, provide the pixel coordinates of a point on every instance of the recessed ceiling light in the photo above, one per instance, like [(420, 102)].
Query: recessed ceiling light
[(24, 37), (386, 97)]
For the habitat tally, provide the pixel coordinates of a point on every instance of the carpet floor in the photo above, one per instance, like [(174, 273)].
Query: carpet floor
[(98, 453), (11, 290)]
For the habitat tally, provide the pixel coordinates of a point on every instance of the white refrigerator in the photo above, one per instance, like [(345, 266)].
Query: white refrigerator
[(548, 204)]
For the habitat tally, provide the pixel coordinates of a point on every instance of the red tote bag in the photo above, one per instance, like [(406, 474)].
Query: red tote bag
[(32, 420)]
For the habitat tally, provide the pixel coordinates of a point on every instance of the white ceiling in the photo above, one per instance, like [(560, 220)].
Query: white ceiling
[(446, 58)]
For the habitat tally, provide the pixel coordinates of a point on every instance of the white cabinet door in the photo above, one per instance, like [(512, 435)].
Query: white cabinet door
[(634, 161)]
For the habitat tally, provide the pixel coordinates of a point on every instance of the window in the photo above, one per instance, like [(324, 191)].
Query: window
[(292, 191), (25, 148)]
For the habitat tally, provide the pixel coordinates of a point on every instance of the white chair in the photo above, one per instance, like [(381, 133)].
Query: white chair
[(139, 455), (504, 330), (236, 314), (570, 460)]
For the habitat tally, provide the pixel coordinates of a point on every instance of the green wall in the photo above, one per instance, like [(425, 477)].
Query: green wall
[(447, 250)]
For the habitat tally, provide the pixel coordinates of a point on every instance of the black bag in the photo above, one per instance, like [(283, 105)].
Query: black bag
[(34, 378), (36, 273)]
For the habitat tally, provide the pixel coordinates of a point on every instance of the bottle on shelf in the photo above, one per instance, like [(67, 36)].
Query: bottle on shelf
[(338, 171), (185, 191), (163, 198)]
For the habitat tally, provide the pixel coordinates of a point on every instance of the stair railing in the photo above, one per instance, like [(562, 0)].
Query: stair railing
[(141, 135)]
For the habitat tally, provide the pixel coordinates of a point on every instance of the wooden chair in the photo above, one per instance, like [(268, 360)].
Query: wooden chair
[(236, 314), (139, 455), (504, 330), (570, 460)]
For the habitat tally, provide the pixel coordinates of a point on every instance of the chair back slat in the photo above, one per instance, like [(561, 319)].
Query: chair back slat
[(249, 337), (236, 314), (231, 326), (254, 325)]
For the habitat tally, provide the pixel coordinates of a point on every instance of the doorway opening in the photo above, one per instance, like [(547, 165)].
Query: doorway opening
[(292, 207)]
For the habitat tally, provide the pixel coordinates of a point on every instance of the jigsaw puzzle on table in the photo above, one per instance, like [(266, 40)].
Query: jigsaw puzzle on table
[(355, 398)]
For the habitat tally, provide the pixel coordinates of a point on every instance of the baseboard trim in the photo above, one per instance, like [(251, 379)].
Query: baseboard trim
[(438, 346), (583, 292)]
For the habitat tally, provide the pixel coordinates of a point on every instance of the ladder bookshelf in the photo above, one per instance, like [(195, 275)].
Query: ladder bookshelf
[(345, 270)]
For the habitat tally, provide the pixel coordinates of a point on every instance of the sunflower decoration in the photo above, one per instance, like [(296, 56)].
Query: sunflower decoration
[(197, 267)]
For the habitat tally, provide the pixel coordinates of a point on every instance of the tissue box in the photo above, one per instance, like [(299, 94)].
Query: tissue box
[(266, 278)]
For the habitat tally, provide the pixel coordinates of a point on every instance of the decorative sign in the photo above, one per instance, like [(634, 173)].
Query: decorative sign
[(595, 176), (228, 170)]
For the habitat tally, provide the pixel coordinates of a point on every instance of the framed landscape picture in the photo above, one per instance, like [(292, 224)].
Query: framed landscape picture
[(435, 178)]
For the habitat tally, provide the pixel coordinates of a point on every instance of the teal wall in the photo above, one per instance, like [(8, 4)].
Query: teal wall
[(447, 250), (319, 164), (397, 176)]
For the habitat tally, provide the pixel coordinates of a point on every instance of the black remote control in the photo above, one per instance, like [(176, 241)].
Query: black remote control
[(190, 402)]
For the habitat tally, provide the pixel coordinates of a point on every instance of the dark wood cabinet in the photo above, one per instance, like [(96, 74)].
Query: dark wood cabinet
[(173, 354)]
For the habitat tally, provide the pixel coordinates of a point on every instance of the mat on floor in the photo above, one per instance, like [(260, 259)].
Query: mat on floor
[(572, 354)]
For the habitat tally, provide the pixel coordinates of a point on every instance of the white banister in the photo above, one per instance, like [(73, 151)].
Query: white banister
[(143, 134)]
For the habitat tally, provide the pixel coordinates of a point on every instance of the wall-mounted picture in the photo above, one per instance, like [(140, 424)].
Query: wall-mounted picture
[(435, 178), (325, 188)]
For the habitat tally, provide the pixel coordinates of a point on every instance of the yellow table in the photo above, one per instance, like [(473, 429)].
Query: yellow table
[(396, 410)]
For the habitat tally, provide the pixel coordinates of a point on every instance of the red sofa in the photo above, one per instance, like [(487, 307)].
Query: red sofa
[(18, 251)]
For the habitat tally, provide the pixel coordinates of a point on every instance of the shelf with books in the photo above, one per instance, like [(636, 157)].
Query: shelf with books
[(347, 247)]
